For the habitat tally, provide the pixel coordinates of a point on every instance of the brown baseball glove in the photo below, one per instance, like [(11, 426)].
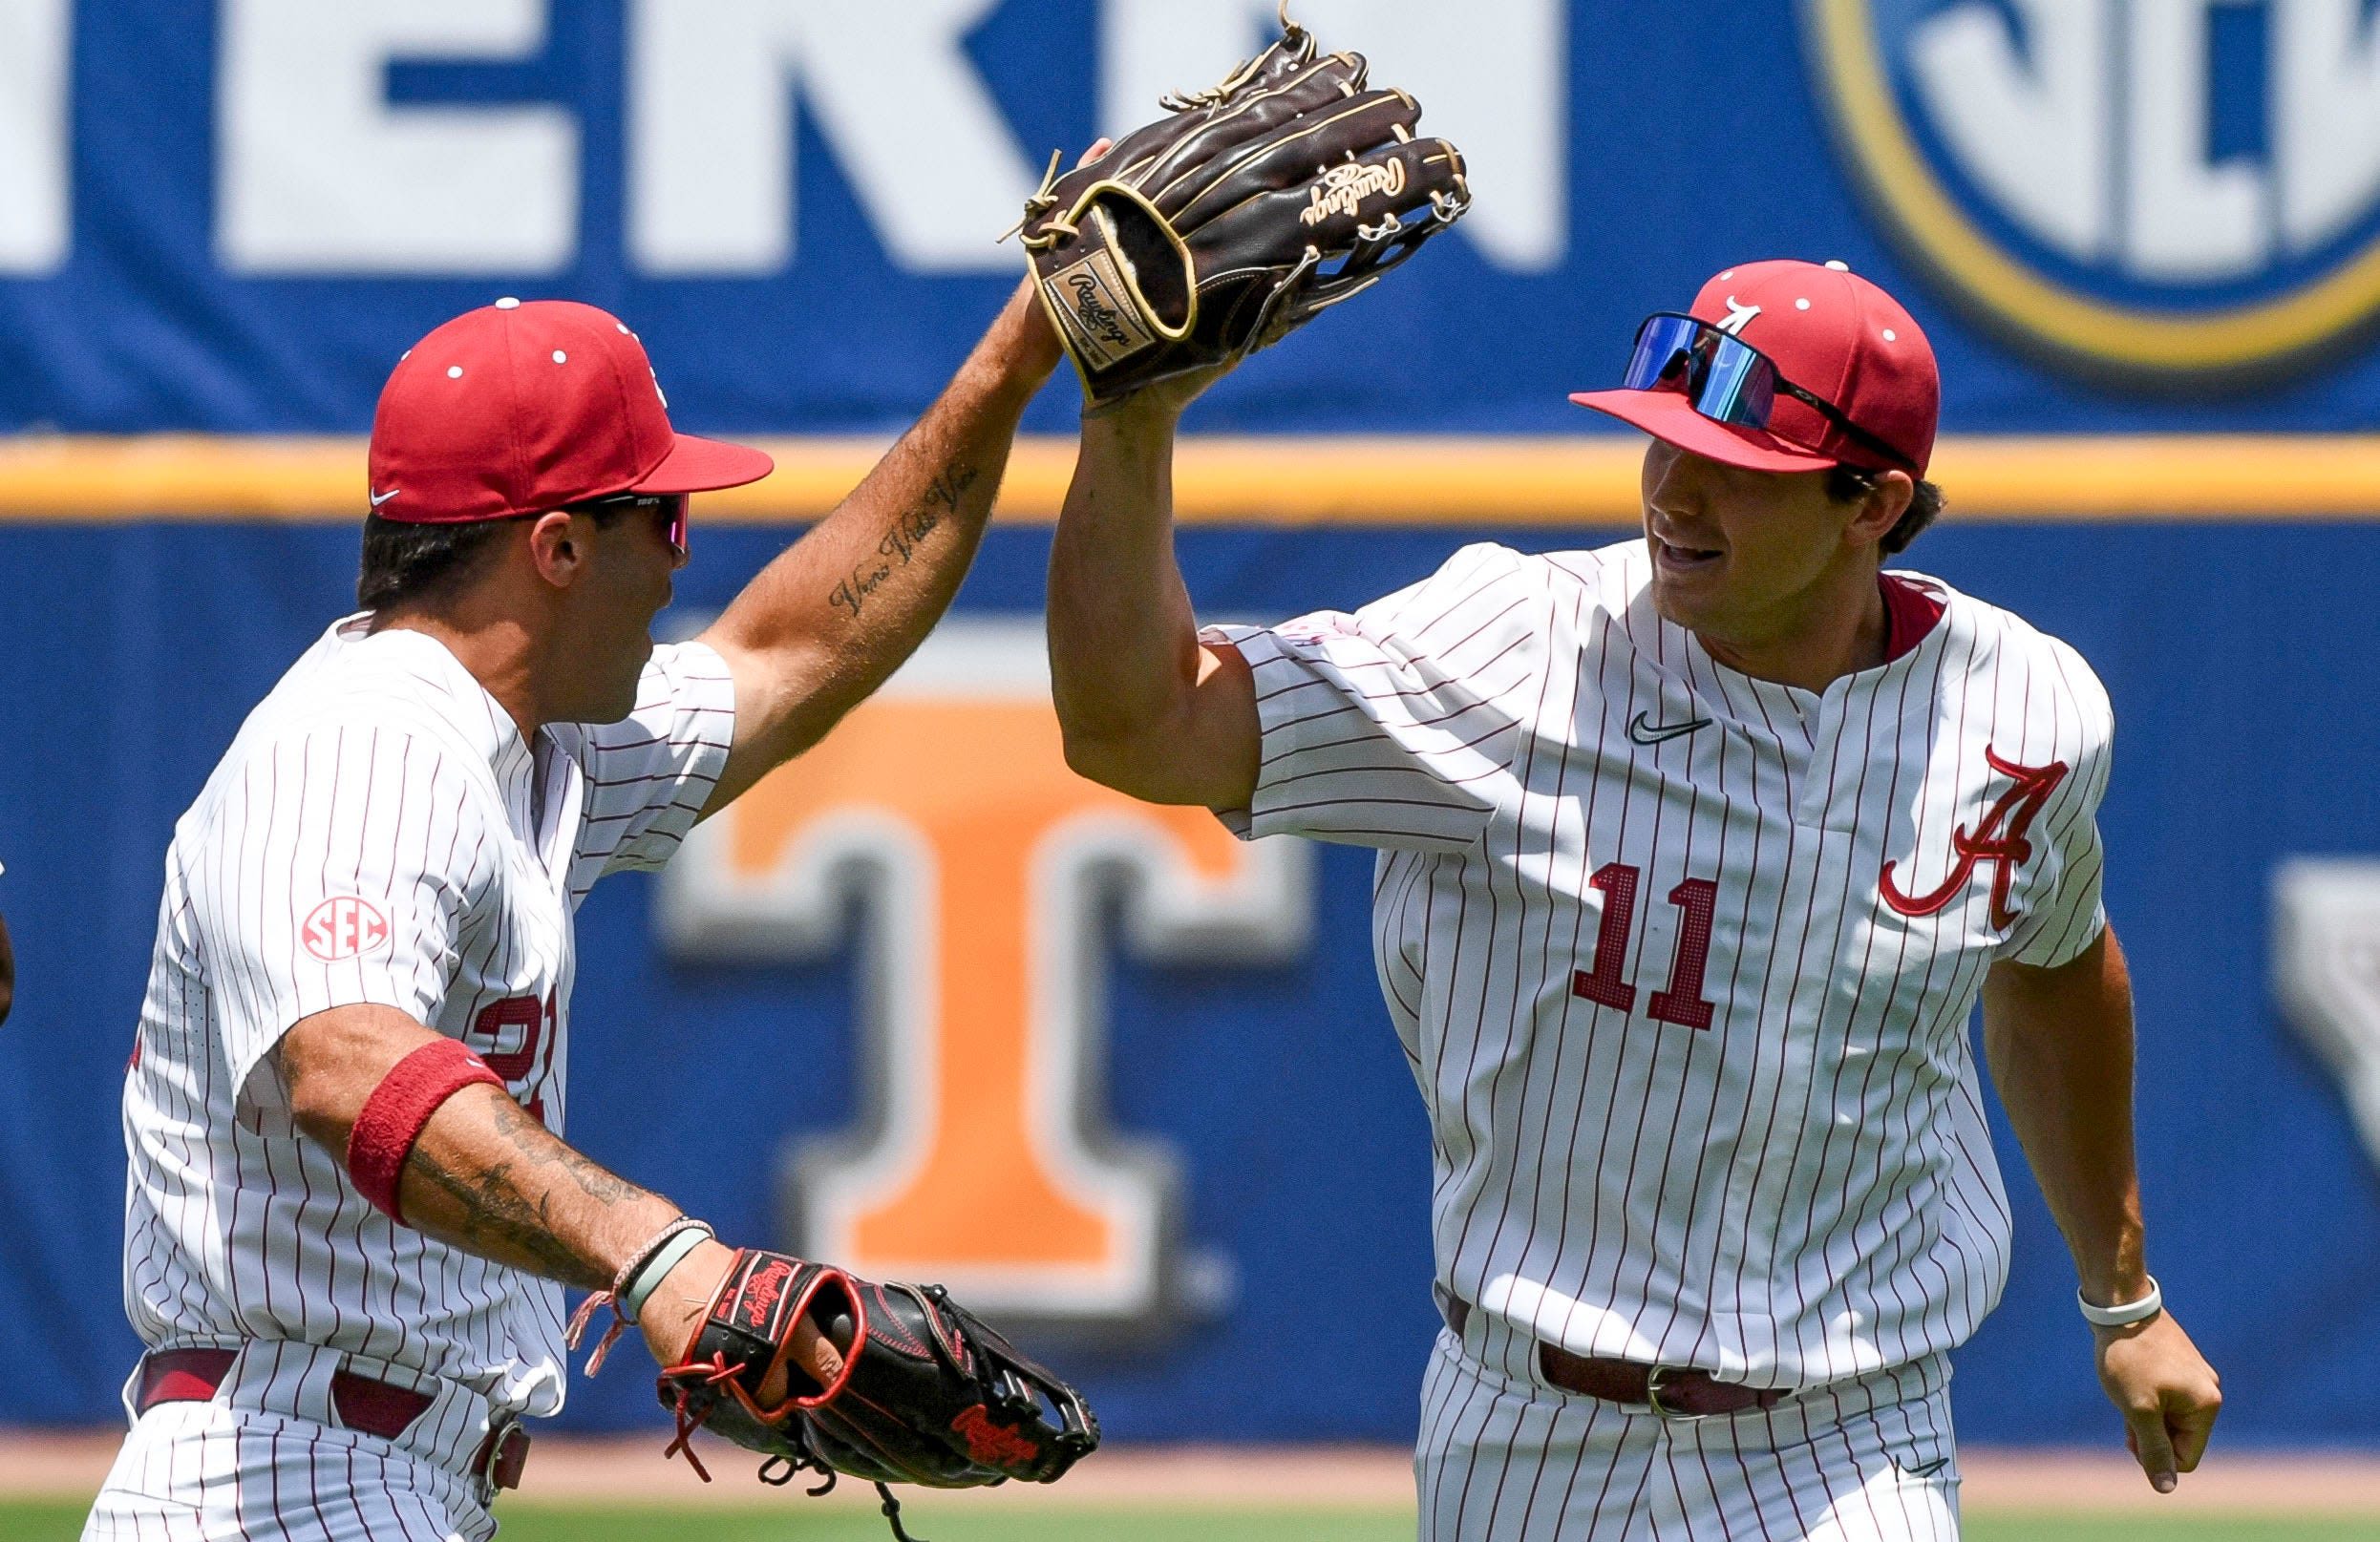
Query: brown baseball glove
[(1250, 207)]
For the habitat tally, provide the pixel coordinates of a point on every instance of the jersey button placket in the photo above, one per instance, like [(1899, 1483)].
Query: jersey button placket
[(1791, 713), (1828, 797)]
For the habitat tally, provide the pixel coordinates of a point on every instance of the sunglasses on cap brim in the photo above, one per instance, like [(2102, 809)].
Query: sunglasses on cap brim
[(1726, 380), (670, 506)]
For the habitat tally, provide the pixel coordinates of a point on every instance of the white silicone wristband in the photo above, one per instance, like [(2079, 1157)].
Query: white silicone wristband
[(681, 1238), (2126, 1315)]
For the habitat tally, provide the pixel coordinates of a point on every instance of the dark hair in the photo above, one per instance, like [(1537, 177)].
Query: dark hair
[(1848, 484), (406, 564), (412, 564)]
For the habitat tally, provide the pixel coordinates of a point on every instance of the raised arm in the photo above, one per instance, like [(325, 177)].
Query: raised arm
[(490, 1179), (1146, 707), (837, 612), (2060, 1044)]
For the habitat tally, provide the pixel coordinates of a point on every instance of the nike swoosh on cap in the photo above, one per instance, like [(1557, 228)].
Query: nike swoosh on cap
[(378, 498)]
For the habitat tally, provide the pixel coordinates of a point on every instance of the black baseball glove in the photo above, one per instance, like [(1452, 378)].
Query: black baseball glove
[(1255, 204), (928, 1393)]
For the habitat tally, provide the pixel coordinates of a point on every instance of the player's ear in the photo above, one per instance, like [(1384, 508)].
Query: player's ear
[(1882, 506), (558, 548)]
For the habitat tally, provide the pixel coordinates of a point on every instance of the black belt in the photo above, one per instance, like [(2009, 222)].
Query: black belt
[(376, 1408), (1671, 1392)]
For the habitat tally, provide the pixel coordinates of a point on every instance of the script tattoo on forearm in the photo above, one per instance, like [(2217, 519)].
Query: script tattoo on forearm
[(508, 1203), (904, 538)]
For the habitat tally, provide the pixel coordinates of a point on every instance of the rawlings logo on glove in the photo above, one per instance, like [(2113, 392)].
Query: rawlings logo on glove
[(1344, 189), (1105, 327), (993, 1445), (762, 1292)]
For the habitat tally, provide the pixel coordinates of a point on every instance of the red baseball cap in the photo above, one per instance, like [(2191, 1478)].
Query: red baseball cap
[(1829, 332), (519, 407)]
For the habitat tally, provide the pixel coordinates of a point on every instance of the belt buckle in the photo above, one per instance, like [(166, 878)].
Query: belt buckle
[(500, 1458), (1659, 1376)]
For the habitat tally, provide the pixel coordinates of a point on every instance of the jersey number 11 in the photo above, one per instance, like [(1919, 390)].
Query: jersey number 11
[(1681, 1002)]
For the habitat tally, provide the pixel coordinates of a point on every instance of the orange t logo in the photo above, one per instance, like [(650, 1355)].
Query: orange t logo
[(946, 799)]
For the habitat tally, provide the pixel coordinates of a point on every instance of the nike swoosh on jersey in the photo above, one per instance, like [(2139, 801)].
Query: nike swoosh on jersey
[(378, 498), (1643, 730)]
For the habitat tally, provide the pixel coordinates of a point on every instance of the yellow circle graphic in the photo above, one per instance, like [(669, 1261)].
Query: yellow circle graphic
[(1852, 66)]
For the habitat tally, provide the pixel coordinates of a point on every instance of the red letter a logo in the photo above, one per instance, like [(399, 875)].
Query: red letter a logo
[(1999, 840)]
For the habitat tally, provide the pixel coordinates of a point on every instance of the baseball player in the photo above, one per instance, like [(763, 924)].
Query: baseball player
[(1696, 853), (351, 1211)]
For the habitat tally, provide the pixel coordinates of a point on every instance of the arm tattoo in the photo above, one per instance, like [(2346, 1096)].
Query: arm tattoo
[(904, 537), (508, 1203)]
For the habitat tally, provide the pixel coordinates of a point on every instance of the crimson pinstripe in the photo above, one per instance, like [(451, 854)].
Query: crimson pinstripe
[(1799, 1193), (376, 772)]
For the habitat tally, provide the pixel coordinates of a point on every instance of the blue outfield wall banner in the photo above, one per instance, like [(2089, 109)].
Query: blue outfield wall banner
[(1178, 1136), (2112, 215)]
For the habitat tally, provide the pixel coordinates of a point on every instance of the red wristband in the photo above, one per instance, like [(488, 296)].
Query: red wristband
[(392, 1117)]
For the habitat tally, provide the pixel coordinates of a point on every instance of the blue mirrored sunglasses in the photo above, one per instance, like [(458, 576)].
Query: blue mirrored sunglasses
[(1727, 380)]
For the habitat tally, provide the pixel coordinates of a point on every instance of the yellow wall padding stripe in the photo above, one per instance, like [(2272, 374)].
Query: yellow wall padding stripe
[(1416, 481)]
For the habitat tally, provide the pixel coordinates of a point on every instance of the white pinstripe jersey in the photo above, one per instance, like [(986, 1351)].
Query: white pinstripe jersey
[(1688, 1005), (378, 833)]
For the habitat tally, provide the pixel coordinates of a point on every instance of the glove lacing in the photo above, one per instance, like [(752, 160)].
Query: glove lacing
[(1296, 42), (781, 1470)]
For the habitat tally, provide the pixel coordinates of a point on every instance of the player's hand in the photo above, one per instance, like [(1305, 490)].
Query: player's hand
[(677, 1308), (2166, 1391)]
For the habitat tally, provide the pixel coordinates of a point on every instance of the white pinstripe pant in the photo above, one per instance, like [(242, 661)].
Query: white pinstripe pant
[(267, 1461), (1505, 1457), (201, 1471)]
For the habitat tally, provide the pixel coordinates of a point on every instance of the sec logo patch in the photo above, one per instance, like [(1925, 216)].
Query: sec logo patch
[(2163, 192), (344, 927)]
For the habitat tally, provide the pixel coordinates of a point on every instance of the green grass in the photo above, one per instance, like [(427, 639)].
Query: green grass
[(844, 1523), (797, 1523)]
